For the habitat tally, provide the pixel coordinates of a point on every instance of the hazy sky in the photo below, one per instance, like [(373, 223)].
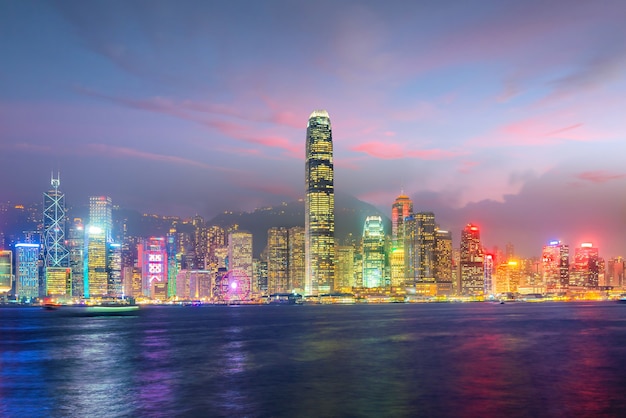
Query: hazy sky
[(509, 114)]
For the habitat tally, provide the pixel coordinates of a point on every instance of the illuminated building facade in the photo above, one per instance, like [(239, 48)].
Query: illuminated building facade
[(555, 266), (615, 272), (6, 271), (259, 280), (410, 249), (200, 243), (425, 248), (136, 283), (55, 253), (508, 277), (471, 262), (296, 259), (419, 248), (194, 284), (488, 274), (240, 256), (58, 281), (114, 270), (95, 271), (216, 240), (586, 268), (344, 268), (278, 260), (319, 206), (172, 264), (76, 248), (400, 210), (373, 252), (101, 215), (152, 257), (444, 277), (26, 271)]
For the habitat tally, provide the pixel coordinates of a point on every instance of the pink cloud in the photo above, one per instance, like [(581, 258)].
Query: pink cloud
[(392, 151), (563, 130), (467, 166), (212, 116), (122, 152), (242, 133), (548, 129), (599, 176)]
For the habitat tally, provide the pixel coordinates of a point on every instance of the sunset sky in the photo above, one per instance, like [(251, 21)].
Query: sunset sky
[(507, 114)]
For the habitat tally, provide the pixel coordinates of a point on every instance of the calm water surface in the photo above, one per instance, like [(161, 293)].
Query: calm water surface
[(466, 360)]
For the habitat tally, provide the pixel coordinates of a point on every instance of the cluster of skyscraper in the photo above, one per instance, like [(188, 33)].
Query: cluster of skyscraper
[(420, 257), (198, 261)]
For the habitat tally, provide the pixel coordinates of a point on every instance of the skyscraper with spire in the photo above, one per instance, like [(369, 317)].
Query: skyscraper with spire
[(320, 206), (57, 276)]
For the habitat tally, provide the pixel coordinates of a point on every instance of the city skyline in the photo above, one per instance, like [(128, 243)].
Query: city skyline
[(501, 114)]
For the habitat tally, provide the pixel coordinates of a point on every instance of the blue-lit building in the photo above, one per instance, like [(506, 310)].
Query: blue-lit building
[(172, 264), (27, 271)]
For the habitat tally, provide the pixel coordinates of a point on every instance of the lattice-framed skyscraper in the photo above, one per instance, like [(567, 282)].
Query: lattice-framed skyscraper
[(55, 252), (57, 276)]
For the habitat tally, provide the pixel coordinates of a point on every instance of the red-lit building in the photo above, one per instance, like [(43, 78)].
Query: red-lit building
[(586, 268), (472, 262), (555, 266)]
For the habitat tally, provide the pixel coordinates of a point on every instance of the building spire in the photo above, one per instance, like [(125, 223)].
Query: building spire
[(55, 182)]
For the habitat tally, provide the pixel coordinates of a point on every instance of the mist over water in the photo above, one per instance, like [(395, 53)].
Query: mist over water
[(548, 359)]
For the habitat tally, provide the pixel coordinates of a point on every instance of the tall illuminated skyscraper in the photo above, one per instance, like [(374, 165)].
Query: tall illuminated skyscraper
[(296, 259), (443, 262), (114, 270), (420, 246), (555, 266), (320, 205), (240, 256), (57, 277), (54, 251), (400, 210), (216, 239), (172, 264), (425, 248), (586, 269), (472, 262), (95, 271), (76, 248), (278, 260), (101, 215), (373, 252)]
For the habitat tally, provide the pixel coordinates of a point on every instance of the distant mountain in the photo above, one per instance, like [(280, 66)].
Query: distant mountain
[(350, 214)]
